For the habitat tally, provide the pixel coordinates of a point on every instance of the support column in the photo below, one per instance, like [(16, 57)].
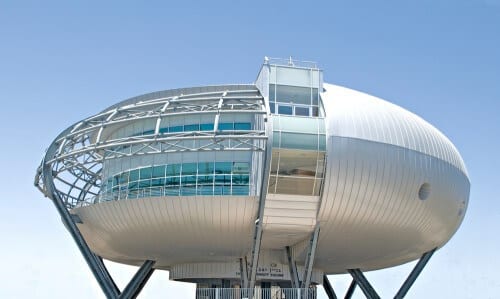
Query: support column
[(95, 264), (414, 274), (293, 269), (310, 257), (139, 280), (363, 283), (350, 290), (328, 288), (243, 272)]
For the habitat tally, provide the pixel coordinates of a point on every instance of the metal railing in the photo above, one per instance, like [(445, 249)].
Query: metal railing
[(258, 293)]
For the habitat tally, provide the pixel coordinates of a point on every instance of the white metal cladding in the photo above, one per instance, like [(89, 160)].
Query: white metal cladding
[(371, 215), (358, 115)]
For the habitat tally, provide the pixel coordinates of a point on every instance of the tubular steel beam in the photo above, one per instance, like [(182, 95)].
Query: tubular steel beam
[(138, 281), (243, 271), (351, 289), (328, 288), (363, 283), (414, 274), (95, 264), (310, 257), (262, 201), (293, 269)]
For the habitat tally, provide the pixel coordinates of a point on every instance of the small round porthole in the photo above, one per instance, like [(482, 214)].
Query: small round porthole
[(424, 191)]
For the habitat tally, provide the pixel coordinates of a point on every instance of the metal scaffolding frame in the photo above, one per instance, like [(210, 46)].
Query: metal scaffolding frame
[(70, 171)]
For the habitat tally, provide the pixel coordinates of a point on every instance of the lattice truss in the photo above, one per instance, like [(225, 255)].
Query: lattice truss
[(73, 162)]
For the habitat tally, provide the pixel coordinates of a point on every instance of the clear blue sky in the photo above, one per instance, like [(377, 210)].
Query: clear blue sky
[(61, 62)]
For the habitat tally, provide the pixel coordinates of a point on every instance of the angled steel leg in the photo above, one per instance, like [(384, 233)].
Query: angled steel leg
[(140, 278), (328, 288), (95, 264), (243, 272), (310, 257), (293, 269), (414, 274), (350, 290), (363, 283)]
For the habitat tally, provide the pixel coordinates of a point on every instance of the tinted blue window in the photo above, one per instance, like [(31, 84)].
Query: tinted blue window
[(283, 109), (186, 191), (223, 179), (207, 127), (205, 179), (157, 182), (159, 171), (163, 130), (205, 168), (205, 190), (148, 132), (240, 190), (173, 181), (145, 173), (188, 180), (134, 175), (189, 168), (176, 129), (173, 169), (172, 191), (226, 126), (189, 128), (223, 167), (242, 126), (272, 107), (145, 184)]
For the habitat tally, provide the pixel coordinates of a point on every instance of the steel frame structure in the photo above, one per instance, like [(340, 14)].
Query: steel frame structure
[(360, 280), (70, 174), (70, 171)]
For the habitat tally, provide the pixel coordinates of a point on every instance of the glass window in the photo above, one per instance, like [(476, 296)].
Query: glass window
[(176, 129), (172, 191), (205, 180), (159, 171), (242, 126), (299, 141), (190, 128), (240, 179), (189, 168), (145, 173), (205, 190), (225, 126), (302, 111), (285, 109), (298, 186), (163, 130), (188, 180), (158, 182), (223, 167), (293, 94), (205, 168), (124, 177), (272, 107), (188, 191), (223, 179), (240, 190), (207, 127), (272, 90), (144, 183), (240, 167), (173, 181), (173, 169)]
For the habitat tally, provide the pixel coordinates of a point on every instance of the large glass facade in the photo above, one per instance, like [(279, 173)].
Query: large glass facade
[(298, 157), (184, 179), (224, 126)]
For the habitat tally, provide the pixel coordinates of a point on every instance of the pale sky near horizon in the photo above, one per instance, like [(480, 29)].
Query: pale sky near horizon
[(62, 61)]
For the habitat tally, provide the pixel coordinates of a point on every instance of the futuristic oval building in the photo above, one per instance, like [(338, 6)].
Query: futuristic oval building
[(256, 190)]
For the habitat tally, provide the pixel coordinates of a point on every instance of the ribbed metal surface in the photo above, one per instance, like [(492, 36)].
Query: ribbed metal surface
[(379, 156)]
